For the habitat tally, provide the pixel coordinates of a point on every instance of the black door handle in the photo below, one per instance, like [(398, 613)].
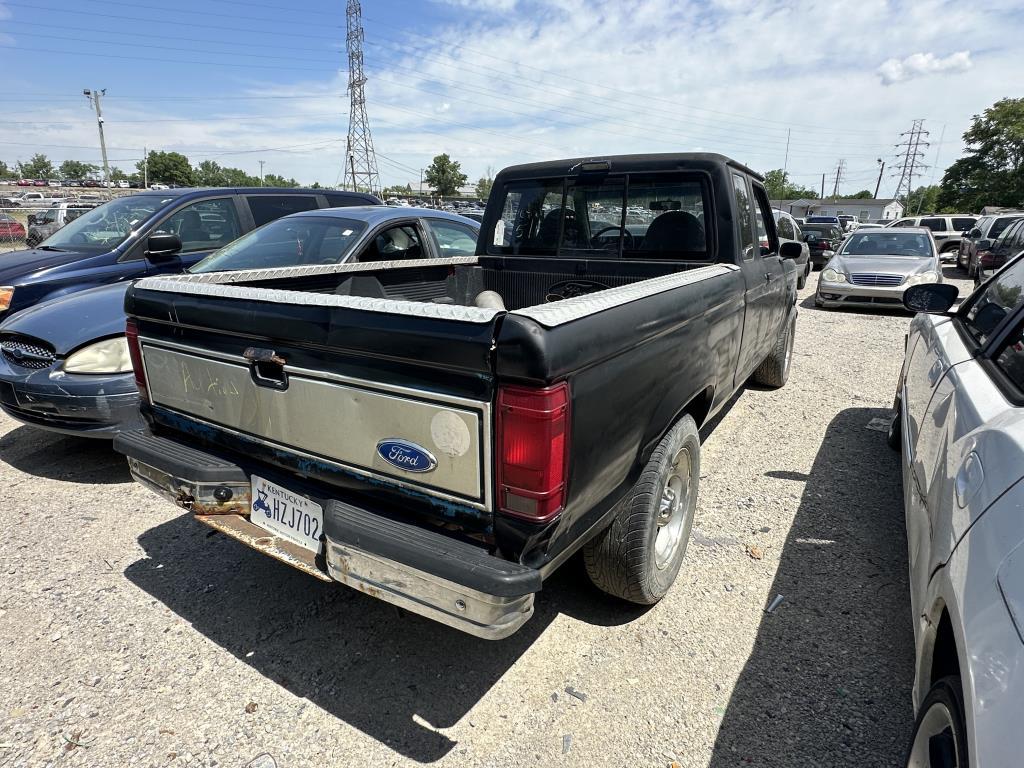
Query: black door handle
[(266, 368)]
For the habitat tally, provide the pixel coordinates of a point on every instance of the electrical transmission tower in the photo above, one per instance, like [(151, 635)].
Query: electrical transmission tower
[(839, 177), (910, 160), (360, 160)]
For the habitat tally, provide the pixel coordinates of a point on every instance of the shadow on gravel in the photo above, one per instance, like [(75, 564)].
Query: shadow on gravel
[(828, 680), (56, 457), (390, 674)]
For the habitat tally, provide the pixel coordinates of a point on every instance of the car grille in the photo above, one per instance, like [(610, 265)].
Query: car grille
[(26, 354), (864, 278)]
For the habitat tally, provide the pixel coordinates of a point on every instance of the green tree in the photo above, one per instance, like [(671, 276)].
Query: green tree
[(236, 177), (864, 194), (6, 172), (922, 200), (116, 174), (74, 169), (992, 171), (483, 187), (776, 184), (273, 180), (37, 167), (168, 168), (444, 176), (209, 174), (397, 190)]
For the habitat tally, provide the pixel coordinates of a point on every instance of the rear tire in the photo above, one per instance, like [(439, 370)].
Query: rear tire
[(940, 738), (802, 280), (774, 371), (638, 556)]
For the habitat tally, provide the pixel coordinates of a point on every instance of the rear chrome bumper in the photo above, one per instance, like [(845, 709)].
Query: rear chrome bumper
[(425, 572)]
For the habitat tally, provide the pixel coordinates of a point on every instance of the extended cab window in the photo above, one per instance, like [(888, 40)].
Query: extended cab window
[(744, 215), (999, 299), (594, 215), (269, 207)]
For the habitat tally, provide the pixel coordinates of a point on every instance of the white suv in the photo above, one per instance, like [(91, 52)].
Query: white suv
[(947, 230)]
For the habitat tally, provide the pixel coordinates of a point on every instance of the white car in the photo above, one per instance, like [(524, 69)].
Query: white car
[(158, 186), (959, 425)]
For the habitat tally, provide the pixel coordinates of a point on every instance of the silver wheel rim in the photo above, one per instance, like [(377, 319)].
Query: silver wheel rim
[(936, 733), (672, 510)]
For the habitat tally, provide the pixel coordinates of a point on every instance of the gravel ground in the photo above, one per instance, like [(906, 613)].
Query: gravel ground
[(131, 635)]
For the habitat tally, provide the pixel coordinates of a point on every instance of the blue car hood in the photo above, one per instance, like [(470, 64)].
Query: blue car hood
[(17, 264), (71, 321)]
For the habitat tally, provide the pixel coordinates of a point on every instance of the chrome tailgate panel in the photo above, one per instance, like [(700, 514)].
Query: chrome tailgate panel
[(340, 420)]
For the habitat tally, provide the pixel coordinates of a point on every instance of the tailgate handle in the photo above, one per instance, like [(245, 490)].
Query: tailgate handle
[(266, 367)]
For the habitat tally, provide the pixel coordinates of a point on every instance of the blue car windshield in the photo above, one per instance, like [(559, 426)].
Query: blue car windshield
[(108, 225), (288, 242)]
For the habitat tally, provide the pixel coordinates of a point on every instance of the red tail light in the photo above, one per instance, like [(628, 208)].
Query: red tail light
[(131, 332), (532, 432)]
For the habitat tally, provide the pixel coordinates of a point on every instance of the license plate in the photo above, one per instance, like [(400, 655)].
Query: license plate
[(287, 514)]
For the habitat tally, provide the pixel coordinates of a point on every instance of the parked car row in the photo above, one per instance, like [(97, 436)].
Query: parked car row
[(92, 183)]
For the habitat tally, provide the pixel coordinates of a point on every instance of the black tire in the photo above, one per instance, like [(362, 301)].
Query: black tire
[(802, 280), (774, 371), (941, 710), (971, 269), (894, 437), (624, 560)]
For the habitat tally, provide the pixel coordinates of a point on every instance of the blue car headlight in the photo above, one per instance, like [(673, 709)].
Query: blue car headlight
[(107, 356)]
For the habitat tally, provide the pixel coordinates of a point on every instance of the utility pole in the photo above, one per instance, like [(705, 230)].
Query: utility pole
[(839, 177), (261, 162), (823, 186), (911, 164), (145, 168), (881, 170), (421, 182), (785, 164), (359, 152), (94, 99)]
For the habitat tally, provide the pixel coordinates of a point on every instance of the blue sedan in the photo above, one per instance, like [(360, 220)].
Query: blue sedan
[(64, 364)]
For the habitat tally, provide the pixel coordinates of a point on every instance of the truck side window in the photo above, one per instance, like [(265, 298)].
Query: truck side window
[(744, 214), (764, 222)]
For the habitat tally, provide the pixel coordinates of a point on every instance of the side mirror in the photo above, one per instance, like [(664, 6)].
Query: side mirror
[(974, 232), (983, 244), (162, 245), (930, 297), (790, 250), (805, 237)]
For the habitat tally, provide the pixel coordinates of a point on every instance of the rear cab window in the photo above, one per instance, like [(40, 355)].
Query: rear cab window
[(963, 224), (601, 215)]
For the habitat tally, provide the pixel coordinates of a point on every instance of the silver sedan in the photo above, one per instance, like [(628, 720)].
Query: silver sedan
[(874, 268)]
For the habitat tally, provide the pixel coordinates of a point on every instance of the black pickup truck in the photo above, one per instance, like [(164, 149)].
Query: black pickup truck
[(444, 433)]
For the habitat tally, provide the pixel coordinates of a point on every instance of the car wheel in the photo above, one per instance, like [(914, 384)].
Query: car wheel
[(894, 437), (960, 261), (774, 371), (940, 739), (801, 281), (971, 269), (638, 556)]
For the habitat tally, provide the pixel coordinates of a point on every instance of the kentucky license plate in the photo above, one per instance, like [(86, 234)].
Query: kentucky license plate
[(287, 514)]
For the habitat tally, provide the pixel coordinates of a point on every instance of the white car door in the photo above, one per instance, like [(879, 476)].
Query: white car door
[(959, 422)]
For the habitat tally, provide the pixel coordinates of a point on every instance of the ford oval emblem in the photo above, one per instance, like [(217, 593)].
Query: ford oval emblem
[(406, 455)]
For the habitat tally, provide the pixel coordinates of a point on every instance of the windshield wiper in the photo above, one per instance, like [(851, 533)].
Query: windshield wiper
[(48, 248)]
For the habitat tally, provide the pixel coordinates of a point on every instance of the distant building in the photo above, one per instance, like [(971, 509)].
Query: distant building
[(884, 209)]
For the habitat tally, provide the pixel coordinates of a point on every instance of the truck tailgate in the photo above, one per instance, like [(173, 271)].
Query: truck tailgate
[(333, 382)]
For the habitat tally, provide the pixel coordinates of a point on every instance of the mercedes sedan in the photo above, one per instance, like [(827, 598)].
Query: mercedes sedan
[(874, 268)]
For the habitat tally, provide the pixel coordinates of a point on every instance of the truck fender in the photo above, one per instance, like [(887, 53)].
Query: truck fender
[(697, 405)]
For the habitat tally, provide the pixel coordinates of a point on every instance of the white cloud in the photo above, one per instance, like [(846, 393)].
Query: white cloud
[(502, 6), (920, 64)]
